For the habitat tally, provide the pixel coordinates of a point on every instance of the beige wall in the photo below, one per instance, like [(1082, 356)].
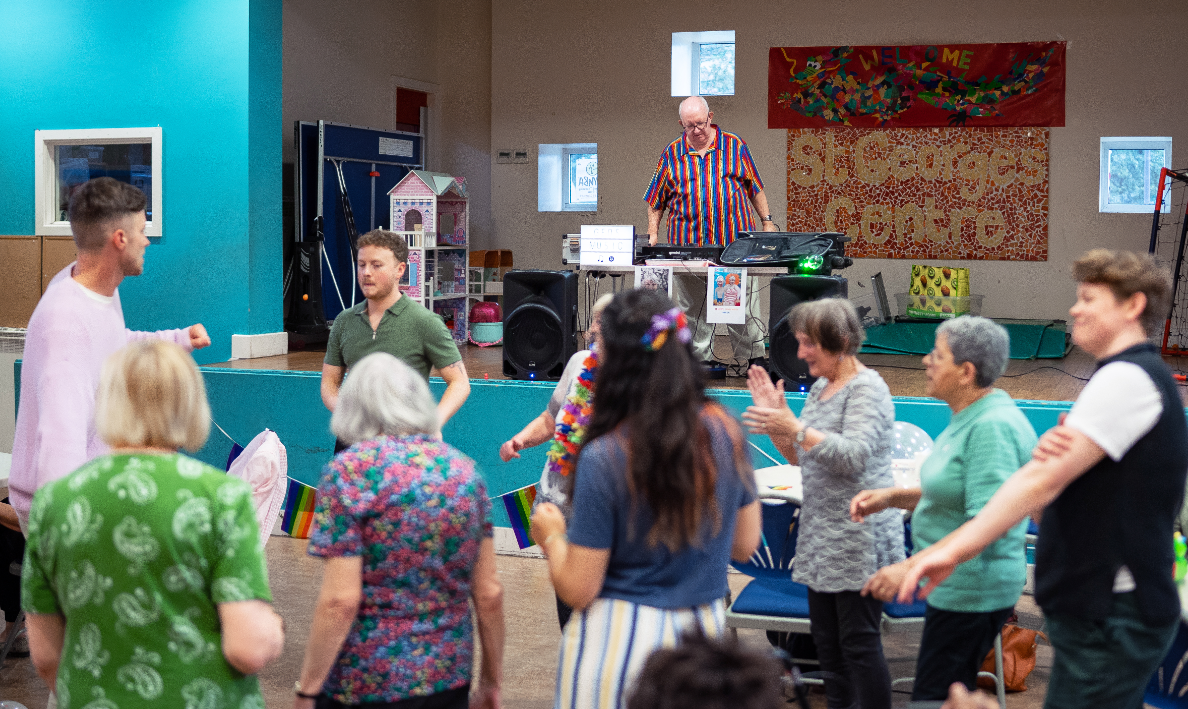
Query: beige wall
[(599, 72), (343, 59)]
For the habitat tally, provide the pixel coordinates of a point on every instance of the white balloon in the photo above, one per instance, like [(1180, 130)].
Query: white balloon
[(909, 440)]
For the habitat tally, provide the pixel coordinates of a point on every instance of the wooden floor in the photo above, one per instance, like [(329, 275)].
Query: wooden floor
[(1043, 379)]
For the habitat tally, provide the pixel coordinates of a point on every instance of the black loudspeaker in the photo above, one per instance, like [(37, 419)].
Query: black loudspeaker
[(539, 323), (786, 293)]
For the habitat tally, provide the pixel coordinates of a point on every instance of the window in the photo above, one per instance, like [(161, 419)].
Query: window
[(65, 159), (1129, 176), (567, 177), (703, 63)]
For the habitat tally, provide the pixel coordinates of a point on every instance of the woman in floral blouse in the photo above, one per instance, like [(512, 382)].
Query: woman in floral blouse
[(403, 521)]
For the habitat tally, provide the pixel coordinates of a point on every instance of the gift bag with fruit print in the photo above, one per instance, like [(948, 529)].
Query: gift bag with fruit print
[(938, 291)]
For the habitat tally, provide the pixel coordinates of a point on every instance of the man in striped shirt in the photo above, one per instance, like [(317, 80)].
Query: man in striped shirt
[(705, 180)]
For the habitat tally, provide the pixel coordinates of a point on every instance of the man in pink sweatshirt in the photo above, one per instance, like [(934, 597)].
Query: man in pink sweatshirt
[(77, 324)]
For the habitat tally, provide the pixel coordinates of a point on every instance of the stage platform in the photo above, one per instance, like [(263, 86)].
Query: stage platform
[(1030, 339)]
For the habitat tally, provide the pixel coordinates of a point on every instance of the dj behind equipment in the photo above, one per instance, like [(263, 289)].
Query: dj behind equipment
[(801, 266)]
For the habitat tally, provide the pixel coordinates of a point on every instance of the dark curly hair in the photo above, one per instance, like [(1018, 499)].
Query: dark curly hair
[(659, 400), (386, 240), (703, 673)]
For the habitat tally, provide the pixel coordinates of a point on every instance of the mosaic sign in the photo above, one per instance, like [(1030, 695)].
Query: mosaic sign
[(975, 85), (923, 193)]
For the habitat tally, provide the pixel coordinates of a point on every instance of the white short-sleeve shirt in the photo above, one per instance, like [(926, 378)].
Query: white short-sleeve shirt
[(1118, 406)]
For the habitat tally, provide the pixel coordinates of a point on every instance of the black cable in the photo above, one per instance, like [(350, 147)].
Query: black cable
[(1004, 376), (1046, 366)]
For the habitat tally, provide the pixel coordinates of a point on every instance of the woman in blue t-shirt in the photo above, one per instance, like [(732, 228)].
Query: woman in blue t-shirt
[(663, 496)]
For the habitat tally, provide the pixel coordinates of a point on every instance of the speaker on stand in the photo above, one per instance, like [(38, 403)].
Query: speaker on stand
[(786, 293), (539, 323)]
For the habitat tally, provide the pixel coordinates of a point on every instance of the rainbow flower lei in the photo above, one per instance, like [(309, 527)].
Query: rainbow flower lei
[(573, 420)]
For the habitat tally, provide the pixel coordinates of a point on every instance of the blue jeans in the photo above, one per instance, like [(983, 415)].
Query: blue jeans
[(1105, 664)]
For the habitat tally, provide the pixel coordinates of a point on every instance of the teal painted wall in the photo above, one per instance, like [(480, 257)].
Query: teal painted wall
[(243, 402), (209, 74)]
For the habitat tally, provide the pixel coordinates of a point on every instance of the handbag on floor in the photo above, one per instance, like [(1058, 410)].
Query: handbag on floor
[(1018, 658)]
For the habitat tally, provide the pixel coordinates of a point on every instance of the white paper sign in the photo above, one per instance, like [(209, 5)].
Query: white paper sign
[(727, 295), (607, 245), (654, 277), (396, 146), (584, 189)]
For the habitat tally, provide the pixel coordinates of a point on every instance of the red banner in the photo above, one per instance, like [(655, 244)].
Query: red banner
[(917, 86)]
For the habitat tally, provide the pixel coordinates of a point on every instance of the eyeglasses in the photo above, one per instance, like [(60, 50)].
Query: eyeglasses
[(697, 127)]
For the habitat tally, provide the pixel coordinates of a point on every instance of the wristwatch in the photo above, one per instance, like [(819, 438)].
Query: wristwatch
[(303, 695), (800, 436), (767, 218)]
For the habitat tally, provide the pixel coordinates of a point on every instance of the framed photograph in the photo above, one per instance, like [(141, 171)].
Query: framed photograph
[(654, 277)]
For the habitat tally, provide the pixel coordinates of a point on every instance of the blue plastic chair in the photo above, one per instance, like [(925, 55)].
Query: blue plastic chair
[(1168, 688), (773, 601)]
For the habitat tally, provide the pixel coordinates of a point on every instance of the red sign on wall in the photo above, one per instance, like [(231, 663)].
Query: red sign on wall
[(975, 85)]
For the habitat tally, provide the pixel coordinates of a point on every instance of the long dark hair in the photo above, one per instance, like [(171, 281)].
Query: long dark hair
[(659, 397)]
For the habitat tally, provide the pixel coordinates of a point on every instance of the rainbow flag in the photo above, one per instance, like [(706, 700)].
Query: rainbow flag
[(519, 511), (300, 501)]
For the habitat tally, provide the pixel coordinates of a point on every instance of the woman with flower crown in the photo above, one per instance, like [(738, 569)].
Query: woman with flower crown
[(663, 496)]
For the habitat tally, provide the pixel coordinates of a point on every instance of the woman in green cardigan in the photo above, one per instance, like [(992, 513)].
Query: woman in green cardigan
[(986, 441)]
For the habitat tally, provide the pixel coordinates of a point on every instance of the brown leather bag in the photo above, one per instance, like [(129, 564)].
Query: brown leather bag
[(1018, 658)]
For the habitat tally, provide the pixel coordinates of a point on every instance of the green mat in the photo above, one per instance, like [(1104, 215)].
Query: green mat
[(1030, 339)]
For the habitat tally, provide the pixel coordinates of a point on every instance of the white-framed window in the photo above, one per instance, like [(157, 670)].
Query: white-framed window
[(1129, 178), (567, 177), (65, 159), (703, 63)]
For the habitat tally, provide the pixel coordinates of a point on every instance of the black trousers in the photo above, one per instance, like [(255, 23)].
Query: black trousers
[(952, 649), (458, 698), (846, 630), (12, 554), (563, 612)]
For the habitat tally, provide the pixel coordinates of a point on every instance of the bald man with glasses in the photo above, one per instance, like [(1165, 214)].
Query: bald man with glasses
[(708, 183)]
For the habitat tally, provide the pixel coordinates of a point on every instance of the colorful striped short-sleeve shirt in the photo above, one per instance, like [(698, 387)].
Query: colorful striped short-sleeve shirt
[(706, 195)]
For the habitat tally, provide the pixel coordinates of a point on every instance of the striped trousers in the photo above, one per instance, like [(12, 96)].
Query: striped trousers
[(605, 646)]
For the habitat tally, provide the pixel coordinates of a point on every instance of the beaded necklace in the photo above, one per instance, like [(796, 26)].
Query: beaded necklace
[(573, 420)]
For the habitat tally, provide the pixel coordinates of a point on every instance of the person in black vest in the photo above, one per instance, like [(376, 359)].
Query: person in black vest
[(1108, 482)]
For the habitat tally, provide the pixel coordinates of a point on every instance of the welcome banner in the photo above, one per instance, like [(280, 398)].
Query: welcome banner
[(923, 193), (976, 85)]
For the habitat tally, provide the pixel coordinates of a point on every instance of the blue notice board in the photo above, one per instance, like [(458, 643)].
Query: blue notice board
[(361, 152)]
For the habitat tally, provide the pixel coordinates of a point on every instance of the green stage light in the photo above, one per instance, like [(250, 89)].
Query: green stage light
[(811, 264)]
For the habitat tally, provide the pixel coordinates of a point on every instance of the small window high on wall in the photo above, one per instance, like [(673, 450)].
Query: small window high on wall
[(1129, 177), (703, 63), (567, 177), (65, 159)]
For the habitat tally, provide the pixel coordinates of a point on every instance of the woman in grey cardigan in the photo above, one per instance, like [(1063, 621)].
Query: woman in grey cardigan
[(842, 442)]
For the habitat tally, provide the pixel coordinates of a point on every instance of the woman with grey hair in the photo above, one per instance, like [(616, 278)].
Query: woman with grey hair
[(842, 442), (403, 521), (986, 441)]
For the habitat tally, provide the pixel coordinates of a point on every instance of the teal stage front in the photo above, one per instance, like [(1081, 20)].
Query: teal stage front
[(245, 402)]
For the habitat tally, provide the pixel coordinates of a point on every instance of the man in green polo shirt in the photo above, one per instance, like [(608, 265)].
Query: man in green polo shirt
[(389, 322)]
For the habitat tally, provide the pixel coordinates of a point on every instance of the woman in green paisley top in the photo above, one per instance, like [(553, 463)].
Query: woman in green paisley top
[(144, 581)]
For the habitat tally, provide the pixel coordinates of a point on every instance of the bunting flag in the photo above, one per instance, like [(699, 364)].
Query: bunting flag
[(519, 511), (300, 501)]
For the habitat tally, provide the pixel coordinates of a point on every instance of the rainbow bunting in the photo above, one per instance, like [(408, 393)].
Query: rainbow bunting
[(299, 510), (519, 511)]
